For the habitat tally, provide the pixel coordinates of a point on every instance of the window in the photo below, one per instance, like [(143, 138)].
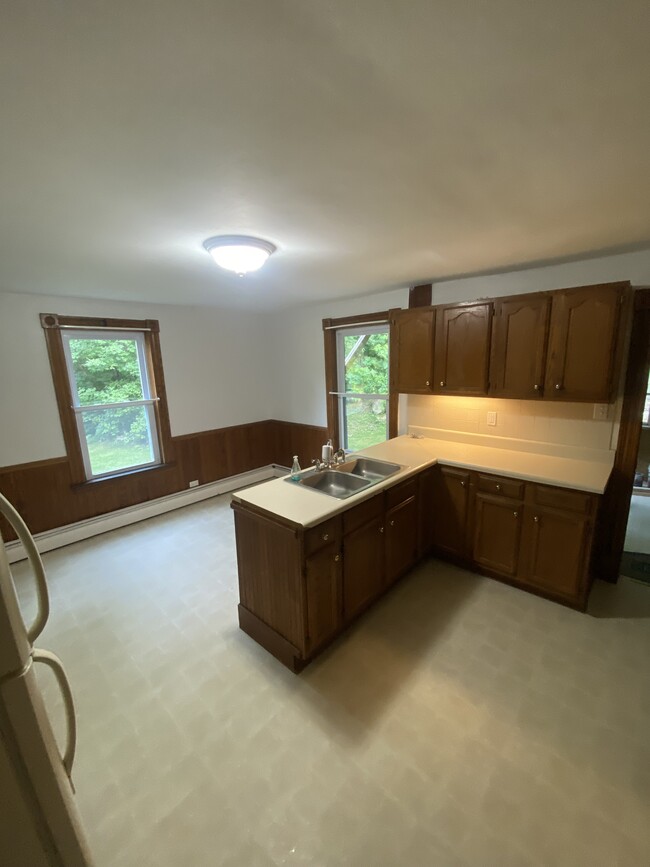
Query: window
[(110, 392), (362, 366), (646, 409), (359, 407)]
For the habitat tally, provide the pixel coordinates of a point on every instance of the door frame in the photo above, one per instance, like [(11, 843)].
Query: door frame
[(614, 512)]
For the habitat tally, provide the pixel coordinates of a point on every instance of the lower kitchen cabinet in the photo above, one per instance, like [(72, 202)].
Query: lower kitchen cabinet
[(300, 587), (555, 544), (450, 520), (363, 567), (497, 533), (323, 572), (401, 539)]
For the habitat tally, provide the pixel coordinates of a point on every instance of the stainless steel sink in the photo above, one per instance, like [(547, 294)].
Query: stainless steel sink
[(369, 468), (334, 483)]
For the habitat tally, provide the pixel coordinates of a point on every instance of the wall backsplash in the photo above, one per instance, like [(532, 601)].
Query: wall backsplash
[(555, 423)]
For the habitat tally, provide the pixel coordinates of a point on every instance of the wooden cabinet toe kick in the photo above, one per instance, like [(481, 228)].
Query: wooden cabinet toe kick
[(270, 640)]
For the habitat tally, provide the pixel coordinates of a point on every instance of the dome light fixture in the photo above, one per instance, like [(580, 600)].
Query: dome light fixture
[(239, 253)]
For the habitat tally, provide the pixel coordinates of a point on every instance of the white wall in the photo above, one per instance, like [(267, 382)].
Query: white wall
[(218, 369), (605, 269)]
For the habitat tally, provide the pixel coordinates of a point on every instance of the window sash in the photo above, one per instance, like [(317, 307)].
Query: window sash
[(342, 395), (148, 402)]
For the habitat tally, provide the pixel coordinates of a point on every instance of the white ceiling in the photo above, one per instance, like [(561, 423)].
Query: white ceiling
[(376, 142)]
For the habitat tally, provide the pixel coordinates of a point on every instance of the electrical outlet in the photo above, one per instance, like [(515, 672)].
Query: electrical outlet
[(194, 484), (492, 418), (600, 411)]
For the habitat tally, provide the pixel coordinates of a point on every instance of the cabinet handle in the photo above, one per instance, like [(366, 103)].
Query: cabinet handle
[(337, 558), (427, 382), (462, 484), (325, 537), (498, 487), (381, 529), (557, 386), (536, 387), (442, 383), (516, 514), (536, 519), (392, 523)]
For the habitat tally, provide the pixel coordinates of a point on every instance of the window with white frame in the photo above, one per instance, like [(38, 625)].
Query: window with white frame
[(112, 400), (362, 372)]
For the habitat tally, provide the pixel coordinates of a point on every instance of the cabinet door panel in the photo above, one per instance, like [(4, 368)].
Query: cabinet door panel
[(462, 349), (518, 352), (401, 539), (583, 339), (497, 533), (553, 550), (363, 567), (411, 339), (451, 509), (323, 592)]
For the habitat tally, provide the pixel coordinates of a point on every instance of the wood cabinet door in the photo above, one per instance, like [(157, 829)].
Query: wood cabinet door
[(451, 510), (518, 347), (497, 533), (323, 595), (553, 551), (411, 340), (462, 348), (363, 567), (583, 348), (401, 539), (426, 509)]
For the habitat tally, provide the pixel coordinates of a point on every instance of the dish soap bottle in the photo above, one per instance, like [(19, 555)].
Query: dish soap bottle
[(295, 469)]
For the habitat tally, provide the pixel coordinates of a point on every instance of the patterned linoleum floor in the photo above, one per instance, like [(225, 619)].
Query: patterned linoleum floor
[(461, 722)]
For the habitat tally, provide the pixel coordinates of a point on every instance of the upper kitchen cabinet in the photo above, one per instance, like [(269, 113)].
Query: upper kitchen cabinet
[(584, 343), (411, 340), (462, 348), (519, 338)]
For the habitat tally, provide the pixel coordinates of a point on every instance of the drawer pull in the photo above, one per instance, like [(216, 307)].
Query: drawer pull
[(325, 537), (337, 558), (392, 523), (536, 519), (442, 383), (536, 387), (516, 514), (498, 487), (558, 386), (462, 484), (381, 529), (427, 382)]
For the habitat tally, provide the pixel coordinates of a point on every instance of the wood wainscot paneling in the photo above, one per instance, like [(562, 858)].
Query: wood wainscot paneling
[(45, 494)]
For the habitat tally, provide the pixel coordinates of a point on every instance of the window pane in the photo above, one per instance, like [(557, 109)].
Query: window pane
[(118, 438), (366, 363), (365, 422), (106, 371)]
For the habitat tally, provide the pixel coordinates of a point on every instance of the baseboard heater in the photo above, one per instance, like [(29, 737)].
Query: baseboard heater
[(66, 535)]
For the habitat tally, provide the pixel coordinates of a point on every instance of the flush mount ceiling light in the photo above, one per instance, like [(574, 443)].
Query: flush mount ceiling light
[(239, 253)]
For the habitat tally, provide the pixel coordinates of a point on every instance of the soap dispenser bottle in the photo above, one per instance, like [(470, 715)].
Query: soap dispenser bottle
[(295, 469)]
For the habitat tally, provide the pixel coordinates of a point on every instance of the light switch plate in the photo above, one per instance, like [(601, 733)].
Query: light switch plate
[(492, 418), (600, 411)]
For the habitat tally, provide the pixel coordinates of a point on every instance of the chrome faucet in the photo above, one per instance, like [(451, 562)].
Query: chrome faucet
[(337, 458)]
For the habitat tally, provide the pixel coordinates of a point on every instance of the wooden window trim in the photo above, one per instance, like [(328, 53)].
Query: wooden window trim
[(52, 325), (330, 328)]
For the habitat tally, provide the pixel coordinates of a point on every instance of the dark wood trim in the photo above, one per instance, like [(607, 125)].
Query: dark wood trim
[(54, 320), (346, 321), (612, 523), (123, 474), (332, 404), (52, 324), (420, 296), (219, 430), (63, 395), (34, 465)]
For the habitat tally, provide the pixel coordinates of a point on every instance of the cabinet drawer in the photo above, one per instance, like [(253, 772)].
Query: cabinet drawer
[(561, 498), (500, 486), (362, 514), (323, 534), (401, 492)]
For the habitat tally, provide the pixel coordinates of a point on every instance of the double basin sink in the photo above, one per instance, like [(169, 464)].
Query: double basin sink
[(355, 475)]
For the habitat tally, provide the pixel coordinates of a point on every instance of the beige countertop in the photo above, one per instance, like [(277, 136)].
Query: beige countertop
[(307, 507)]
